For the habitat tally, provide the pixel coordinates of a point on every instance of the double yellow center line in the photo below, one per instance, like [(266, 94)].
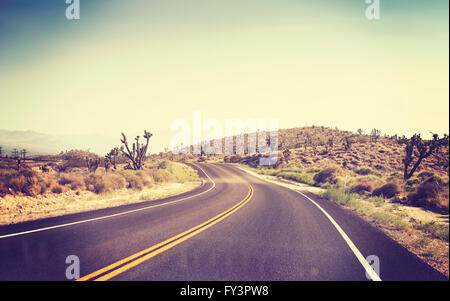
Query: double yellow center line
[(125, 264)]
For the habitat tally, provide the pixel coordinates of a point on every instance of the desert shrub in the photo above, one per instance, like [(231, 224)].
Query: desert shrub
[(114, 182), (25, 181), (180, 172), (411, 184), (17, 183), (57, 189), (163, 165), (361, 188), (388, 190), (431, 192), (162, 176), (77, 184), (435, 179), (326, 176), (95, 183), (64, 180), (363, 171), (146, 177), (75, 181), (133, 180)]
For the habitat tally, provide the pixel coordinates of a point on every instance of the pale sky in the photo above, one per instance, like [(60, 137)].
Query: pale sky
[(134, 65)]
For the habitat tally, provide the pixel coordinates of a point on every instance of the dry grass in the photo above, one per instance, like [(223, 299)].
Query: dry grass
[(16, 209), (33, 181), (32, 190)]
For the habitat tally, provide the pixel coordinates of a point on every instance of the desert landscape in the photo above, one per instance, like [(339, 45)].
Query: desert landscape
[(224, 141), (369, 174)]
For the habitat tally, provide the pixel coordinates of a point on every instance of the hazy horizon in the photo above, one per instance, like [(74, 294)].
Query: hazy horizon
[(130, 66)]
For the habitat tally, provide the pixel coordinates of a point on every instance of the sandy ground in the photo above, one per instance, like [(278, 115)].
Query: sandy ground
[(434, 252), (20, 209)]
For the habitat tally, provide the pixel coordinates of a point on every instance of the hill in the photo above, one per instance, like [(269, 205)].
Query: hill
[(44, 144)]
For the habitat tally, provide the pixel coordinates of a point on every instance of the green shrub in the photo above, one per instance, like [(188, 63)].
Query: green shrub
[(338, 195), (437, 230), (297, 177), (386, 218)]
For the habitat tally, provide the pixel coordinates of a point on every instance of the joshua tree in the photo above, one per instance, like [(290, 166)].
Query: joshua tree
[(314, 147), (348, 142), (138, 152), (112, 157), (308, 141), (23, 154), (107, 164), (0, 151), (360, 131), (92, 164), (375, 134), (417, 149)]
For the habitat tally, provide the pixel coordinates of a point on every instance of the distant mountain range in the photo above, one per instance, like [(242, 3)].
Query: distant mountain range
[(42, 144)]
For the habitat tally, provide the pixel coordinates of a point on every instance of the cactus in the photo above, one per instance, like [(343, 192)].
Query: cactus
[(138, 152)]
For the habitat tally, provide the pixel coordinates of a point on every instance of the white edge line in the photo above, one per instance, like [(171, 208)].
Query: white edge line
[(113, 215), (370, 271)]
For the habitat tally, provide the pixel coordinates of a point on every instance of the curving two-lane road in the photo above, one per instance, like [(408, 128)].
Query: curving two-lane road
[(234, 227)]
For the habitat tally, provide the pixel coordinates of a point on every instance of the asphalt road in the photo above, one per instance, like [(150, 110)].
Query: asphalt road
[(234, 227)]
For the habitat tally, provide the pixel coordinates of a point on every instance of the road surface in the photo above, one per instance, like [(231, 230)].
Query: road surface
[(234, 227)]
